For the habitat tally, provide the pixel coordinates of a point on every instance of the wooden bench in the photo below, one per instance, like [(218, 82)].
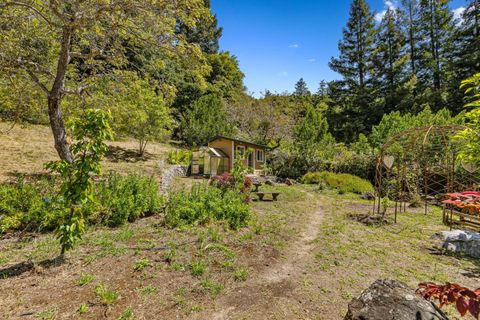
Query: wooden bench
[(261, 195)]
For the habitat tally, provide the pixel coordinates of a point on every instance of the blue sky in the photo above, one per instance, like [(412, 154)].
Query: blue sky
[(279, 41)]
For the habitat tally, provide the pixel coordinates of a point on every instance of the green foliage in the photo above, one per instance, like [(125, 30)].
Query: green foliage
[(82, 309), (182, 156), (240, 274), (140, 112), (77, 187), (117, 199), (213, 287), (29, 206), (127, 314), (47, 314), (301, 88), (341, 181), (395, 122), (312, 128), (205, 120), (198, 267), (226, 78), (85, 279), (353, 94), (125, 199), (469, 138), (106, 295), (204, 204), (141, 264)]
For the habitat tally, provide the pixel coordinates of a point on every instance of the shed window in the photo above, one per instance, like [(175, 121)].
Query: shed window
[(241, 152), (260, 156)]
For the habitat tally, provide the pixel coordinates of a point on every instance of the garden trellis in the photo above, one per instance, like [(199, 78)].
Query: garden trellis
[(419, 166)]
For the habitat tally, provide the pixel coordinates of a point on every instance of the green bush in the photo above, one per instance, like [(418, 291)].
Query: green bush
[(204, 204), (181, 156), (34, 206), (124, 199), (342, 181), (29, 206)]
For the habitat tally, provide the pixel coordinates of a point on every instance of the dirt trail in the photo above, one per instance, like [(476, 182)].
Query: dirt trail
[(276, 292)]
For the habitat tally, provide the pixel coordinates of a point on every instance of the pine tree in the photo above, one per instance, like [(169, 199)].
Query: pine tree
[(322, 89), (206, 33), (436, 24), (466, 54), (301, 88), (410, 22), (354, 93), (390, 61)]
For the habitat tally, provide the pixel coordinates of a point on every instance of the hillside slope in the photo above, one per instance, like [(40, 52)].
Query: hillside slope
[(25, 148)]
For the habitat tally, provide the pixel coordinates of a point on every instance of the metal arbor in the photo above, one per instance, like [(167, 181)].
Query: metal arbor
[(418, 165)]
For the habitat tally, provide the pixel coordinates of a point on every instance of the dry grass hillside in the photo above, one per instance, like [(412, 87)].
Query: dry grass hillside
[(25, 148)]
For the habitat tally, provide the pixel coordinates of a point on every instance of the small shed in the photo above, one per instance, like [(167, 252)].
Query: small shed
[(209, 161)]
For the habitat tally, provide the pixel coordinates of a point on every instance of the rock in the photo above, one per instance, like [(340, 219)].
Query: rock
[(367, 196), (269, 182), (459, 241), (169, 174), (390, 299), (290, 182), (271, 178)]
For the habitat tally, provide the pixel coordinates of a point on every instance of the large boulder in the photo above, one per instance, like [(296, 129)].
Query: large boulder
[(390, 299), (169, 173), (459, 241)]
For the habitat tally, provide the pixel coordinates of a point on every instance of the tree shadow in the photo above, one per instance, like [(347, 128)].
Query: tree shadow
[(470, 272), (27, 266), (119, 154), (30, 176)]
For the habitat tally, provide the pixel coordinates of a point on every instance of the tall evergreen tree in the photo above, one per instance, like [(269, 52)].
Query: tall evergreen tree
[(466, 54), (301, 88), (206, 33), (322, 88), (355, 65), (390, 61), (412, 31), (436, 24)]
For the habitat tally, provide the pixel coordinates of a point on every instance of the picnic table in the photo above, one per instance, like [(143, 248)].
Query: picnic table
[(261, 195), (465, 205)]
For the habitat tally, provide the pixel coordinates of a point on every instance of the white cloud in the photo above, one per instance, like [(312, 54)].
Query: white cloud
[(312, 60), (457, 14), (388, 5), (282, 74), (295, 46)]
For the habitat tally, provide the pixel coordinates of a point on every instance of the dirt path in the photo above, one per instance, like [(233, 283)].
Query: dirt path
[(275, 293)]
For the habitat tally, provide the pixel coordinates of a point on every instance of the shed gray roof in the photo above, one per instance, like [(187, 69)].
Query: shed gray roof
[(239, 140)]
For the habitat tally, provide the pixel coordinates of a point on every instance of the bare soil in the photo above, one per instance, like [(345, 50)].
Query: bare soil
[(274, 293)]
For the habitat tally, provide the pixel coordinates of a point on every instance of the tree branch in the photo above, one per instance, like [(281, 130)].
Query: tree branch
[(77, 91), (36, 80), (26, 5)]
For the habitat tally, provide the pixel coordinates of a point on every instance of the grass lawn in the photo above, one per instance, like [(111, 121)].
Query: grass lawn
[(271, 269), (26, 148)]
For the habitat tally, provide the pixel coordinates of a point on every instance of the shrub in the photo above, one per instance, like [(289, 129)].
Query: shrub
[(125, 199), (341, 181), (29, 206), (181, 156), (34, 206), (204, 204)]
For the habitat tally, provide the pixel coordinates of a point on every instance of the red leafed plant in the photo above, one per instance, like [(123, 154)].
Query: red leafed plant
[(466, 300)]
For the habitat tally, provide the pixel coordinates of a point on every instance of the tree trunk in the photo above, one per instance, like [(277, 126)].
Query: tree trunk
[(58, 128), (55, 98)]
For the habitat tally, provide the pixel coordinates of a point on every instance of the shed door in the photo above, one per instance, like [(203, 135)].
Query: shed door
[(250, 160)]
